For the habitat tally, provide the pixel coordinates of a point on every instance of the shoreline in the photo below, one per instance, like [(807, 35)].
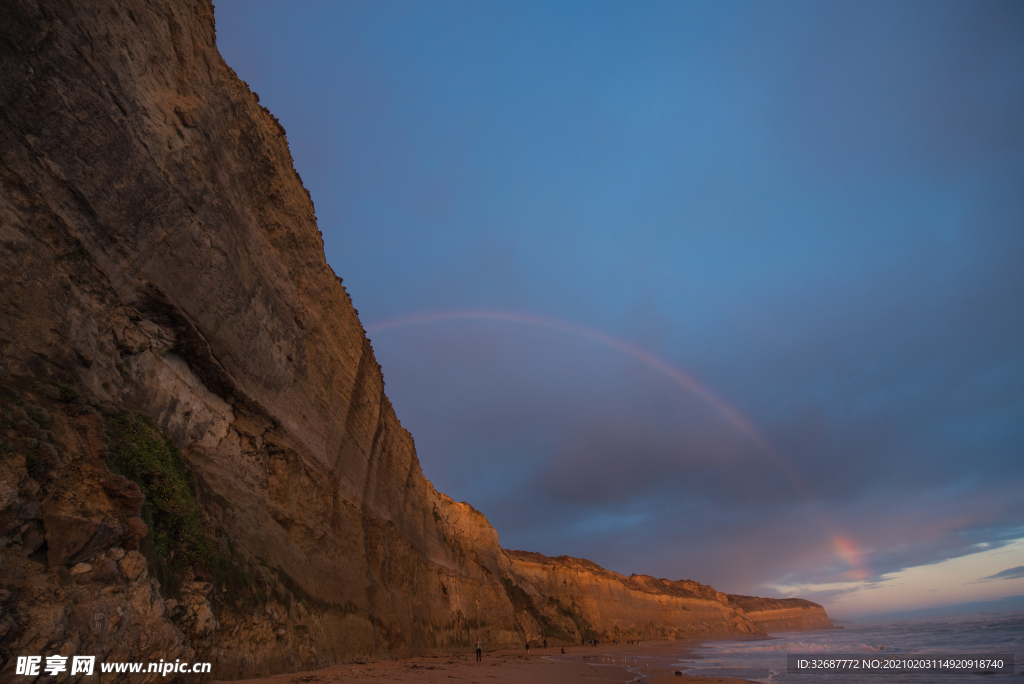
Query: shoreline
[(649, 663)]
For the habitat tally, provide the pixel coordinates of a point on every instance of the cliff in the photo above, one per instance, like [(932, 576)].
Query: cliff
[(198, 457), (571, 592), (781, 615), (573, 597)]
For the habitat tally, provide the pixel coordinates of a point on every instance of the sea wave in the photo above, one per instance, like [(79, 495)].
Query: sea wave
[(765, 660)]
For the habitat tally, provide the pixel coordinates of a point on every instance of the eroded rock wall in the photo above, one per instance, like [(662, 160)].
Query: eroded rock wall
[(73, 580), (781, 615), (160, 253), (571, 592)]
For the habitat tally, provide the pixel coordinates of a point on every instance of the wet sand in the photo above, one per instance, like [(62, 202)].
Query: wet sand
[(654, 662)]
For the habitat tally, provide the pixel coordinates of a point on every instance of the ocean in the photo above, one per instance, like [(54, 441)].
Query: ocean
[(764, 660)]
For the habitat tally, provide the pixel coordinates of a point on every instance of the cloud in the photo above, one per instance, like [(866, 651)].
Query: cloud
[(1010, 573)]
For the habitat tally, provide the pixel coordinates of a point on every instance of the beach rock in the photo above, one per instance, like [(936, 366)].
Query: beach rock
[(72, 539), (205, 623), (127, 492), (133, 565), (8, 496), (103, 571)]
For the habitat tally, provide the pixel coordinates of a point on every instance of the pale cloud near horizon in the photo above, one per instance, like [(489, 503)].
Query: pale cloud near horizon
[(934, 584)]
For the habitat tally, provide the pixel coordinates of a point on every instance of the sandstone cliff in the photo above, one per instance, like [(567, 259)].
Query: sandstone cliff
[(570, 592), (162, 275), (781, 615)]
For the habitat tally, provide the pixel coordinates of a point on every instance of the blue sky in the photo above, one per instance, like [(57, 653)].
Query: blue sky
[(814, 211)]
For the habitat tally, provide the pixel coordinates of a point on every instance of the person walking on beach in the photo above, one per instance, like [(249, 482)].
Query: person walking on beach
[(479, 650), (527, 649)]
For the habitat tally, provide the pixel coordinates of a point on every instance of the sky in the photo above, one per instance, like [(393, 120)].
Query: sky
[(723, 291)]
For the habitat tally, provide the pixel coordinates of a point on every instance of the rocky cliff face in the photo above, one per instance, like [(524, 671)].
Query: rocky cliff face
[(162, 275), (570, 592), (781, 615)]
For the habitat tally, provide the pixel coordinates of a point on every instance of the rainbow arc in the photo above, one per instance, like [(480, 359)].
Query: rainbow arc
[(842, 546)]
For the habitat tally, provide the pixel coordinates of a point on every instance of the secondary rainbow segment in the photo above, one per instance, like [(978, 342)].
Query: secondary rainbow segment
[(643, 356), (842, 546), (851, 555)]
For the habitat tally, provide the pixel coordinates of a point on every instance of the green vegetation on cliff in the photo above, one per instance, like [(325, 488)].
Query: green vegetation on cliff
[(139, 451), (178, 543)]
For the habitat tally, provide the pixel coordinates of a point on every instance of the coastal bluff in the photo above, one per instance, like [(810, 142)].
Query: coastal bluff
[(199, 460), (573, 592), (781, 615)]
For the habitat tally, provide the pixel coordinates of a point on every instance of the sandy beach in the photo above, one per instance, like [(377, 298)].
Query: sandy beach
[(651, 663)]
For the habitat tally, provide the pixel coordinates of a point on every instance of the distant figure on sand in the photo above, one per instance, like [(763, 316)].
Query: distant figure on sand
[(479, 650), (545, 643), (527, 648)]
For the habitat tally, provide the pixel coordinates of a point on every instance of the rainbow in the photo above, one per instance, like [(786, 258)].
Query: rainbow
[(643, 356), (841, 545), (851, 555)]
